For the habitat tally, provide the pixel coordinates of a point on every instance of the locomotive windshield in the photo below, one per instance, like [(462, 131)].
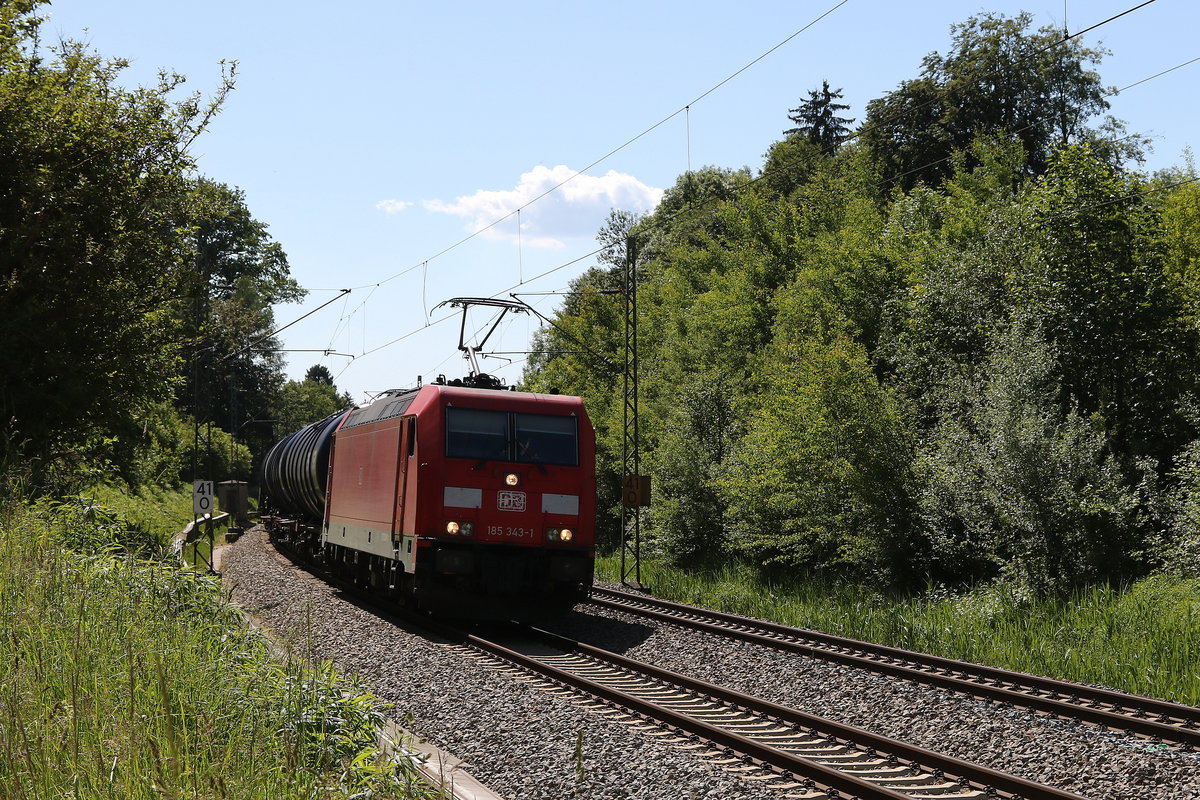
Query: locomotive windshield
[(505, 436), (471, 433)]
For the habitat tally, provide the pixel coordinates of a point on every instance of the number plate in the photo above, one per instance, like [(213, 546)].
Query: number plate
[(511, 533)]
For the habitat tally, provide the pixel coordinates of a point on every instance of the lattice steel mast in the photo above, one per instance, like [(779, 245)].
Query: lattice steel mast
[(632, 495)]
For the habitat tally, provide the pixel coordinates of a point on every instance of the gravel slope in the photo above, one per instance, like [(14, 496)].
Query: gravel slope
[(518, 740), (522, 741)]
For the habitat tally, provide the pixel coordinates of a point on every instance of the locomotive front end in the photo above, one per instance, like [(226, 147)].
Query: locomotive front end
[(517, 504)]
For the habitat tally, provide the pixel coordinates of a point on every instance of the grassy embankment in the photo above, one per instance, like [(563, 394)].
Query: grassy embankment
[(1143, 639), (123, 678), (160, 510)]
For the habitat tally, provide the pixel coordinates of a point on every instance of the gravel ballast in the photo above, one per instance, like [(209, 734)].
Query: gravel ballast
[(1068, 755), (522, 741), (518, 740)]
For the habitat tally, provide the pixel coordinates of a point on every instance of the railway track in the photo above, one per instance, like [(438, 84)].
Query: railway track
[(800, 755), (1157, 720)]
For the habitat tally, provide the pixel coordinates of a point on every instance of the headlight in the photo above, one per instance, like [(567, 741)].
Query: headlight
[(559, 534), (460, 528), (512, 479), (452, 527)]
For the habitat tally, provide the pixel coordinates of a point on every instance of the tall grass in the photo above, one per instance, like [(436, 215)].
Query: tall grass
[(1143, 639), (152, 517), (125, 678), (158, 511)]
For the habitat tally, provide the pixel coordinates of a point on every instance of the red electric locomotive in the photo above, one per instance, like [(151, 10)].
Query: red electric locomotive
[(463, 501)]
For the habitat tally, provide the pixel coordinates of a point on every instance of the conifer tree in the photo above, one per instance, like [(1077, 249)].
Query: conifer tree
[(817, 118)]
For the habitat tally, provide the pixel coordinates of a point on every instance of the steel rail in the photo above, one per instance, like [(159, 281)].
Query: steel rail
[(764, 753), (979, 778), (786, 765), (1173, 722)]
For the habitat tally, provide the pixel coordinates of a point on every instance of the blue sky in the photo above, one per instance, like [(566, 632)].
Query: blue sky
[(371, 136)]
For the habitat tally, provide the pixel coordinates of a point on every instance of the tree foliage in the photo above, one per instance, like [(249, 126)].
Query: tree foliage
[(93, 187), (319, 373), (1013, 486), (997, 76), (819, 477), (233, 370), (983, 371), (817, 118), (303, 402), (126, 282)]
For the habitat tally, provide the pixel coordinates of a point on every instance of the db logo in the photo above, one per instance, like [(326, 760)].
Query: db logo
[(510, 501)]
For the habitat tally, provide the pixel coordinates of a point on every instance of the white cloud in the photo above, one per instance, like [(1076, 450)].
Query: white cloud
[(576, 209), (393, 206)]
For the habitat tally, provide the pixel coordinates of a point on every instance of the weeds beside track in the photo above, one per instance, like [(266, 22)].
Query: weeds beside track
[(1144, 639)]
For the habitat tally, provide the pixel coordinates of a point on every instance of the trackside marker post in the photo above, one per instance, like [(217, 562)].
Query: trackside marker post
[(635, 491), (202, 509), (202, 498)]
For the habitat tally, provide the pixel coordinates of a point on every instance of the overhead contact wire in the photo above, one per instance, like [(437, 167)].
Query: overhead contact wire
[(614, 151), (686, 109)]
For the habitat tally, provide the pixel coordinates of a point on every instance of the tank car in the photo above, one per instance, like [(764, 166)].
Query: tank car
[(461, 501)]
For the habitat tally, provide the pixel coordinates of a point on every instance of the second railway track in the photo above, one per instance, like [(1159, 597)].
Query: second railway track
[(800, 755), (539, 738), (803, 756), (1148, 717)]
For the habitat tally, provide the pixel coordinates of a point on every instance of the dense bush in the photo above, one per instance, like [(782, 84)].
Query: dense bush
[(983, 370)]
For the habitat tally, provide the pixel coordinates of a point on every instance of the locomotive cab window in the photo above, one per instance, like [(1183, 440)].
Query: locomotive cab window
[(503, 436), (473, 433), (543, 439)]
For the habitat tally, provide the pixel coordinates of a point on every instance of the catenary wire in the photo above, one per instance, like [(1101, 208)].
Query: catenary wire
[(685, 109), (613, 151), (430, 324)]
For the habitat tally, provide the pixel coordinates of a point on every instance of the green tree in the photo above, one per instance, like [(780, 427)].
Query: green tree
[(689, 513), (818, 482), (319, 373), (957, 252), (303, 402), (790, 164), (997, 77), (985, 371), (817, 118), (93, 185), (1013, 486), (234, 369), (687, 210), (1118, 324), (1181, 237)]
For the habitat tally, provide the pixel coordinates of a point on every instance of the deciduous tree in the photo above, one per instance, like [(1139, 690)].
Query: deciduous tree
[(997, 77), (93, 185)]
